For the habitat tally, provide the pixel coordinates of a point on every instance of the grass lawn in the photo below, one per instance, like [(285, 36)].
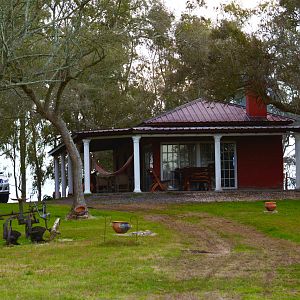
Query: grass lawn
[(201, 251)]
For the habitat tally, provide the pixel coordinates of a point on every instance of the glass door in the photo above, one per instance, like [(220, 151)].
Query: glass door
[(147, 164), (228, 171), (176, 156)]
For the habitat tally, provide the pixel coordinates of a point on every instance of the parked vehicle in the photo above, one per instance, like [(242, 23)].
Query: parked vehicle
[(4, 188)]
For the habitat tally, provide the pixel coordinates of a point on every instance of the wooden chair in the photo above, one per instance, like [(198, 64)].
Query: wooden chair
[(102, 184), (122, 183), (200, 176), (157, 184)]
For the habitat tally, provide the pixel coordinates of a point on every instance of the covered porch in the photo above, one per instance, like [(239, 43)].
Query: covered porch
[(231, 161), (165, 158)]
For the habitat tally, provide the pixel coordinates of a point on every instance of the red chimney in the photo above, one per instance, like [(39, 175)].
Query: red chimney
[(255, 107)]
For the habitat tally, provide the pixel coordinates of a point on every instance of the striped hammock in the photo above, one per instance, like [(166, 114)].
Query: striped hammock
[(103, 173)]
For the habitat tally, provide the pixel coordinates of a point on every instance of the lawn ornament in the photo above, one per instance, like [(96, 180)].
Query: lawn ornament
[(120, 226), (270, 206), (28, 218)]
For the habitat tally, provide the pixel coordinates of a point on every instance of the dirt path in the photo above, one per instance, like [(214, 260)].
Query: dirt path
[(223, 248), (214, 247)]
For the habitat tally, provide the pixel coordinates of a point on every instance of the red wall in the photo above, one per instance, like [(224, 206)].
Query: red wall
[(260, 162)]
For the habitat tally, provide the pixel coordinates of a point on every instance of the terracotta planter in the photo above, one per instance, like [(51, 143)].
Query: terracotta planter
[(120, 226), (80, 210), (270, 206)]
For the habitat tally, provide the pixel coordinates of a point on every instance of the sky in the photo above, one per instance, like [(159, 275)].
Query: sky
[(209, 10), (178, 6)]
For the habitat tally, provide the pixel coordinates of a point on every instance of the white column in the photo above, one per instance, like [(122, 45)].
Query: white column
[(63, 174), (56, 177), (218, 162), (87, 170), (297, 155), (136, 161), (70, 176)]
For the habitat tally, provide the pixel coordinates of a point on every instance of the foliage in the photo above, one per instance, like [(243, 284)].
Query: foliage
[(46, 46), (223, 60), (39, 137)]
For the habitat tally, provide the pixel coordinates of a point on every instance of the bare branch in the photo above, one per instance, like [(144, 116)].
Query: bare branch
[(29, 56), (11, 85)]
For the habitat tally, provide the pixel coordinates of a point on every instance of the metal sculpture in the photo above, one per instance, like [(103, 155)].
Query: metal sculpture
[(28, 218)]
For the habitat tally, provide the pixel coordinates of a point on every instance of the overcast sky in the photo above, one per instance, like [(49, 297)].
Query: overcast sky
[(177, 6)]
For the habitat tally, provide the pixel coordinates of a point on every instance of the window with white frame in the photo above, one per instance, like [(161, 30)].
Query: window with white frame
[(228, 165), (207, 154), (184, 155), (177, 156)]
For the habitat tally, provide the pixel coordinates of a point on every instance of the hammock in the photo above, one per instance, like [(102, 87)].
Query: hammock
[(104, 173)]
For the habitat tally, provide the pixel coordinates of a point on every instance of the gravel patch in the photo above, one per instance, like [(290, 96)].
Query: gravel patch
[(184, 197)]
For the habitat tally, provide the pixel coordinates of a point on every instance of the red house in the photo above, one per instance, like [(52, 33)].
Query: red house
[(199, 145)]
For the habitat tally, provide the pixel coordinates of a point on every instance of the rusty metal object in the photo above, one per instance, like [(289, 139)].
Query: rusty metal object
[(11, 236), (27, 218)]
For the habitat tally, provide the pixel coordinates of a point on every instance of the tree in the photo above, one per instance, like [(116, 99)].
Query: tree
[(45, 45), (40, 136), (13, 138), (228, 61)]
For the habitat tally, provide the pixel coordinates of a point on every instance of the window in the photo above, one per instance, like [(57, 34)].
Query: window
[(177, 156), (228, 165), (184, 155), (207, 154)]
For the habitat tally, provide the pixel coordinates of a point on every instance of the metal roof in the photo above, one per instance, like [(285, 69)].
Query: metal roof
[(201, 111), (198, 117), (216, 129), (182, 130), (189, 129)]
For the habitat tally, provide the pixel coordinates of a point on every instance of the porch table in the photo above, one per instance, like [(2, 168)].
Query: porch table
[(193, 175)]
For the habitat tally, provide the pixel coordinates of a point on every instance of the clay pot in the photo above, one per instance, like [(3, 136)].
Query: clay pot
[(80, 208), (120, 226), (270, 206)]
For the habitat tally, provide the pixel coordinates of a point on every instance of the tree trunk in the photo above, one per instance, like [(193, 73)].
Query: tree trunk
[(14, 159), (38, 170), (78, 196), (23, 156)]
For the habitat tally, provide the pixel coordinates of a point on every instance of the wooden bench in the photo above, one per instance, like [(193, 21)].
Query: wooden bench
[(200, 176), (189, 176)]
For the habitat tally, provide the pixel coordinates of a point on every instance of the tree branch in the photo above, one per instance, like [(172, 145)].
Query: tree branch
[(59, 93), (31, 94)]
